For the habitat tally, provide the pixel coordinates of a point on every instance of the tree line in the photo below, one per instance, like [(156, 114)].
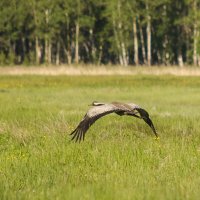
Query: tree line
[(125, 32)]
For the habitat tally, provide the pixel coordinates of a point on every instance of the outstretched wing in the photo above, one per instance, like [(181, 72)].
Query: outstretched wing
[(91, 116)]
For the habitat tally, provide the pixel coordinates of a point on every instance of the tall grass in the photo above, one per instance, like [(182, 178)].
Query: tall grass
[(119, 159)]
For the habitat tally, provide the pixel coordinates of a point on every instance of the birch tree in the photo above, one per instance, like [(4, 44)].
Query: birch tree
[(194, 23), (134, 15), (124, 32), (119, 23)]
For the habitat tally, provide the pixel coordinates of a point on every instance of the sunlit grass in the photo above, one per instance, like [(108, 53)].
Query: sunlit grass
[(119, 159)]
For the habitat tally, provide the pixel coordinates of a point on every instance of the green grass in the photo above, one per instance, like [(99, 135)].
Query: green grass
[(119, 159)]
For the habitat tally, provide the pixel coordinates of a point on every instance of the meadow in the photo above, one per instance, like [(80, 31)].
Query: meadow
[(119, 159)]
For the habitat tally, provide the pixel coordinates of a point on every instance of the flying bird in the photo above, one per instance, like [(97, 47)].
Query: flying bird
[(99, 110)]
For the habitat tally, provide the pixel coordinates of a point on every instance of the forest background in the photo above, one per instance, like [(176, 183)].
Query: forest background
[(118, 32)]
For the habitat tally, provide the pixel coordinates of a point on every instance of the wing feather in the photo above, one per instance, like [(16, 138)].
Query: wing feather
[(91, 116), (145, 116)]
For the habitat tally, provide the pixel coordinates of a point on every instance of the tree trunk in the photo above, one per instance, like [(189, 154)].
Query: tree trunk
[(58, 53), (100, 54), (37, 51), (47, 42), (135, 42), (198, 55), (149, 40), (49, 51), (180, 58), (69, 56), (165, 56), (68, 50), (77, 43), (198, 60), (23, 50), (195, 59), (195, 46), (117, 43), (124, 54), (121, 37), (93, 49), (12, 53), (46, 49), (142, 44)]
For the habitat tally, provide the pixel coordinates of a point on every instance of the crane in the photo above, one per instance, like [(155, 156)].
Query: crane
[(99, 110)]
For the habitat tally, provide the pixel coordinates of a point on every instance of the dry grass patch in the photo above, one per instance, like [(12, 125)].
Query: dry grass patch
[(99, 70)]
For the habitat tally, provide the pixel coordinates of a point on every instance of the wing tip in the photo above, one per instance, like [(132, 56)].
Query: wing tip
[(77, 135)]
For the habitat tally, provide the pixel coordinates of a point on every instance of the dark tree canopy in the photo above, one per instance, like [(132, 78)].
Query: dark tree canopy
[(125, 32)]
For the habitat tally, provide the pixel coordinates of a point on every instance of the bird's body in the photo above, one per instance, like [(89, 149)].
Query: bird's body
[(99, 110)]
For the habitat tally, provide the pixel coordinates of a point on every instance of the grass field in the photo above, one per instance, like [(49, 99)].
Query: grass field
[(119, 159)]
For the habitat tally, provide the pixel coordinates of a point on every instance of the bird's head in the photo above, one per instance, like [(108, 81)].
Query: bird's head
[(96, 103)]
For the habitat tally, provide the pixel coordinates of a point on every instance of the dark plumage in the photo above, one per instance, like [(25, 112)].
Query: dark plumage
[(99, 110)]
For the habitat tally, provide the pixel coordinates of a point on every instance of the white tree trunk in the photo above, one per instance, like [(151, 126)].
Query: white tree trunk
[(47, 41), (195, 56), (165, 56), (198, 60), (124, 54), (149, 40), (37, 51), (93, 49), (198, 55), (77, 43), (58, 53), (143, 46), (148, 36), (120, 57), (49, 51), (180, 59), (69, 56), (135, 42), (195, 48), (122, 49), (46, 49)]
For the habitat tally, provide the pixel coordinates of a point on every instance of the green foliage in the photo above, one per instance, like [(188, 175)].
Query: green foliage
[(2, 59), (119, 159), (105, 29)]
